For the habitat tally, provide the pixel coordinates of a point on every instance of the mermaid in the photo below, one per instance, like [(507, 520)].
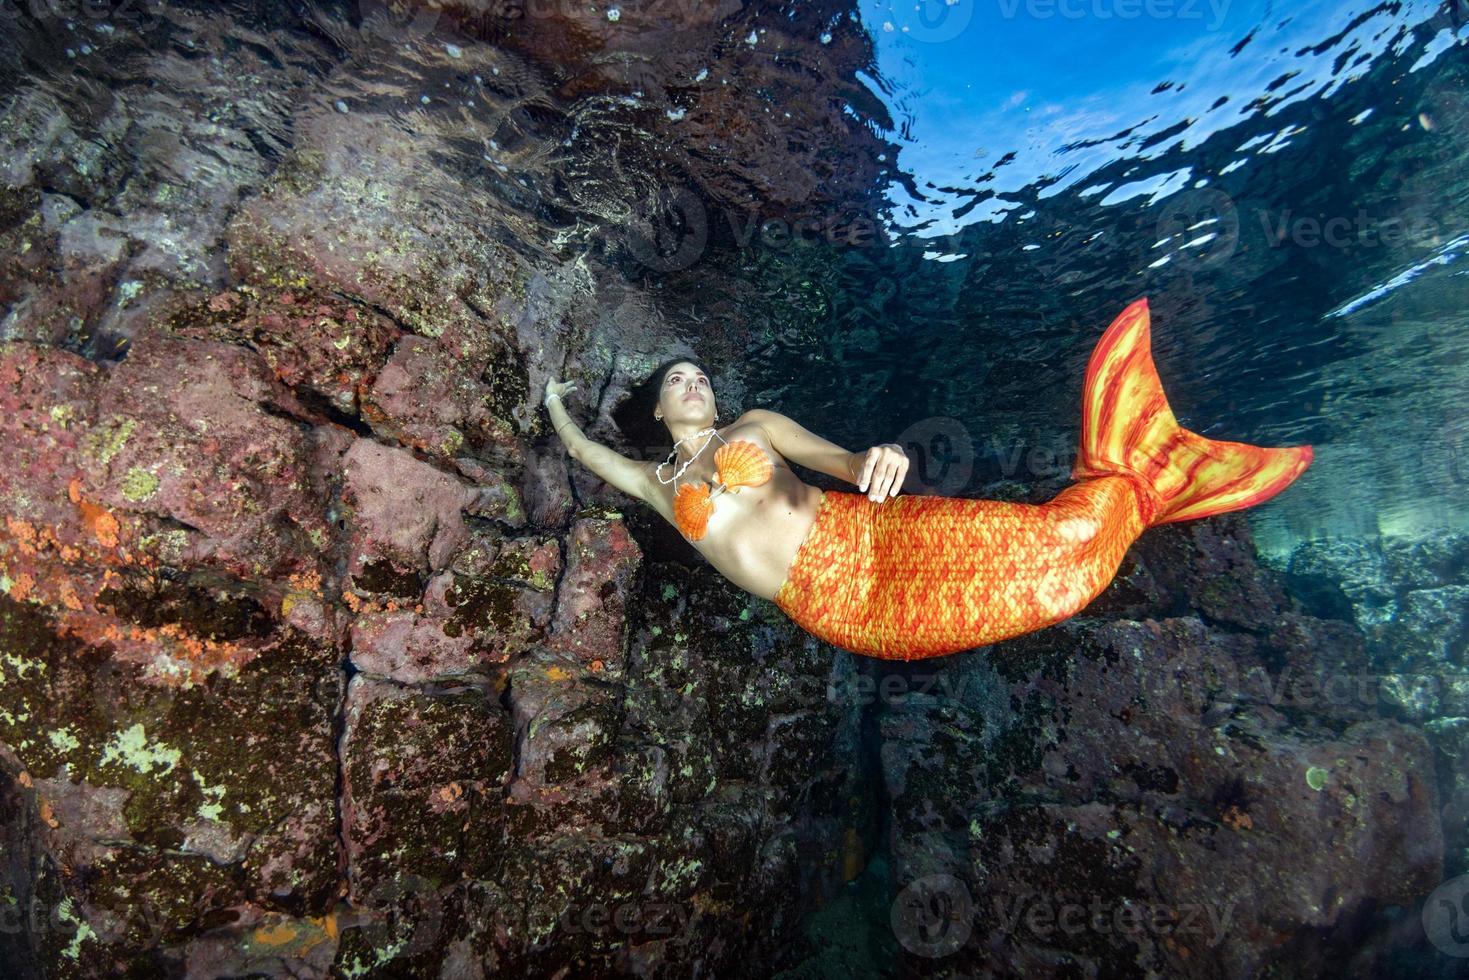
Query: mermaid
[(915, 576)]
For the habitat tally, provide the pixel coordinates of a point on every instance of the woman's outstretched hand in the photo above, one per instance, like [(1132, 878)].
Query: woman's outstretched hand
[(557, 388), (882, 468)]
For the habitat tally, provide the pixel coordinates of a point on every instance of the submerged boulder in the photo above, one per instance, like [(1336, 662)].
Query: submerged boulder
[(1162, 795)]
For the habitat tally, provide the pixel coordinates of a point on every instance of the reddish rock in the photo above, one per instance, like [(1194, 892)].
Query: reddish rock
[(423, 397), (215, 450), (424, 776), (403, 510), (47, 407), (591, 614), (318, 345)]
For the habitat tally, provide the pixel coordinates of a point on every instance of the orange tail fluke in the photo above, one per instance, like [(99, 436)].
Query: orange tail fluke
[(1128, 429)]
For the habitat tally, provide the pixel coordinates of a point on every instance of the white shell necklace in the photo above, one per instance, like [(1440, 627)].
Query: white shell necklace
[(671, 456)]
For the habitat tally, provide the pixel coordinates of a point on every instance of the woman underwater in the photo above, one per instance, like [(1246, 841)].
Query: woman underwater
[(903, 578)]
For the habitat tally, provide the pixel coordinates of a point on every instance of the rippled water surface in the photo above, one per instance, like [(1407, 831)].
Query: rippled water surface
[(1285, 183), (1286, 186), (894, 222)]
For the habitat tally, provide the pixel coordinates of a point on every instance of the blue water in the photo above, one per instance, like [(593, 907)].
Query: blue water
[(1287, 185), (1284, 182)]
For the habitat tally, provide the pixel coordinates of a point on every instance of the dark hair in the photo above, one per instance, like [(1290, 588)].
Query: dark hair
[(634, 414)]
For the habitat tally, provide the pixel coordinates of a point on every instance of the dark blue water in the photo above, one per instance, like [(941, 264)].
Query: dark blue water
[(1285, 183)]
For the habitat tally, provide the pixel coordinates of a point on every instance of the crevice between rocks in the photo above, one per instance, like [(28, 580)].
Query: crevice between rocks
[(339, 734)]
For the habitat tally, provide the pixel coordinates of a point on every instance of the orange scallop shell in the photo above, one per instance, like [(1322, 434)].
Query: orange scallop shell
[(742, 463), (691, 509)]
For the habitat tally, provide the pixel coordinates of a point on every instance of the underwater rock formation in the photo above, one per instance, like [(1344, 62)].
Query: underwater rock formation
[(1213, 782), (321, 659)]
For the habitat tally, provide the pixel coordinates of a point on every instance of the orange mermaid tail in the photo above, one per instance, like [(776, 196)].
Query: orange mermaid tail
[(924, 576)]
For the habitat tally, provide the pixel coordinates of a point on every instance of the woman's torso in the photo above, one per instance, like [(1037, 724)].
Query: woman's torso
[(754, 533)]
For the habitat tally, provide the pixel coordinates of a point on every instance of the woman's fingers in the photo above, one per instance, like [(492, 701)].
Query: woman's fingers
[(559, 388), (891, 465), (883, 470), (881, 479)]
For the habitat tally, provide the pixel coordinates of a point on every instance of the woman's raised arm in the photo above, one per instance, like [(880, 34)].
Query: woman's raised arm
[(628, 475), (877, 472)]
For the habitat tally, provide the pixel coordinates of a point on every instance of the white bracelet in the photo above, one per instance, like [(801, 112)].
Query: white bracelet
[(552, 395)]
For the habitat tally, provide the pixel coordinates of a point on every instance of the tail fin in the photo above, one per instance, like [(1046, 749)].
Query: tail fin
[(1128, 429)]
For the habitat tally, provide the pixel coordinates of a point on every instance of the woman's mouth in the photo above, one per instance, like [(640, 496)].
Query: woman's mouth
[(693, 397)]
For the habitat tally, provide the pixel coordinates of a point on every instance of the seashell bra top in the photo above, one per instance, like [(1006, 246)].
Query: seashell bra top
[(740, 463)]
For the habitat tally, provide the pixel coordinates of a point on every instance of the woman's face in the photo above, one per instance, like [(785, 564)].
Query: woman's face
[(686, 396)]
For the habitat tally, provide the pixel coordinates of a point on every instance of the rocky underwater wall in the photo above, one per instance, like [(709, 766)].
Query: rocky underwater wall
[(319, 657), (319, 660)]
